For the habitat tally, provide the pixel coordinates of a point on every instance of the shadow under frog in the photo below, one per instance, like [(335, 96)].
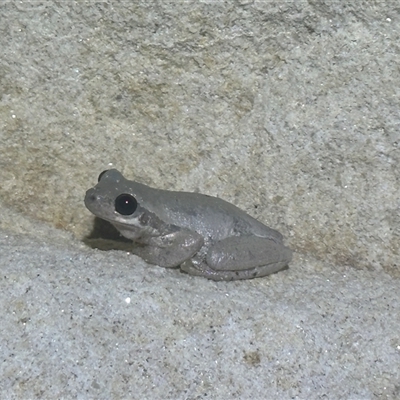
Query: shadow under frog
[(203, 235), (104, 236)]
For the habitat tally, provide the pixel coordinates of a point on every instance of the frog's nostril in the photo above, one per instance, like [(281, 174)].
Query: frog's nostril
[(125, 204), (91, 197)]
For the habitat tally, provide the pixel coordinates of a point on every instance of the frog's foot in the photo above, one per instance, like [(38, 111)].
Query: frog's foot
[(202, 269)]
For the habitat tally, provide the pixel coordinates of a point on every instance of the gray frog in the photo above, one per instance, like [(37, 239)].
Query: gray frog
[(203, 235)]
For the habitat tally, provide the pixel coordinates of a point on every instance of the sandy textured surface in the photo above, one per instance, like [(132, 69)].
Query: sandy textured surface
[(289, 110)]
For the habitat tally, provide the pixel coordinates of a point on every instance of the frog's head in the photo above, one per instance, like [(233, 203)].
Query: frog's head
[(118, 200)]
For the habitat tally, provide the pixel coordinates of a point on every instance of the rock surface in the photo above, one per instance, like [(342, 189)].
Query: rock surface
[(289, 110)]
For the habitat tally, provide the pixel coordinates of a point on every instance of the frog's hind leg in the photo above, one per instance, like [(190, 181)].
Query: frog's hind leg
[(240, 257), (206, 272)]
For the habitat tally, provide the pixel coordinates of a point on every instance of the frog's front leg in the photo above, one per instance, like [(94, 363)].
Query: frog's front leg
[(240, 257), (170, 249)]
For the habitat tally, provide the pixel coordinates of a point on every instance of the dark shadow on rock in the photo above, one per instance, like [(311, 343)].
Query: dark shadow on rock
[(105, 236)]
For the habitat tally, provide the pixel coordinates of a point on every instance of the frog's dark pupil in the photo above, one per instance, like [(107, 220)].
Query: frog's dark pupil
[(125, 204), (100, 176)]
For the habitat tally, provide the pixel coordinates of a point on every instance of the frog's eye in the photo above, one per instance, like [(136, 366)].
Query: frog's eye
[(125, 204), (100, 176)]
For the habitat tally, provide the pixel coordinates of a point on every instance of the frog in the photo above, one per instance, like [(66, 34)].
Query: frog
[(200, 234)]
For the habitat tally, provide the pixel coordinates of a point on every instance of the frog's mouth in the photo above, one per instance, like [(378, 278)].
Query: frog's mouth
[(134, 230)]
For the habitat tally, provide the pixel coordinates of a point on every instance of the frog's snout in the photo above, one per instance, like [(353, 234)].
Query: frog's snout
[(90, 198)]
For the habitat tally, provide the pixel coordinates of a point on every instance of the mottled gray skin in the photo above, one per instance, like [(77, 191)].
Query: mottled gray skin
[(203, 235)]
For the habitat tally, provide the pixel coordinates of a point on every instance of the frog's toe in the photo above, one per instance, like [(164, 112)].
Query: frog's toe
[(200, 269), (188, 267)]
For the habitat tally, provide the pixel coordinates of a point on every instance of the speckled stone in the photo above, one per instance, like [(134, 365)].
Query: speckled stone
[(290, 110)]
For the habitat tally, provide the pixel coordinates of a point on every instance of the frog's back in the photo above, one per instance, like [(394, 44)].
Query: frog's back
[(207, 215)]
